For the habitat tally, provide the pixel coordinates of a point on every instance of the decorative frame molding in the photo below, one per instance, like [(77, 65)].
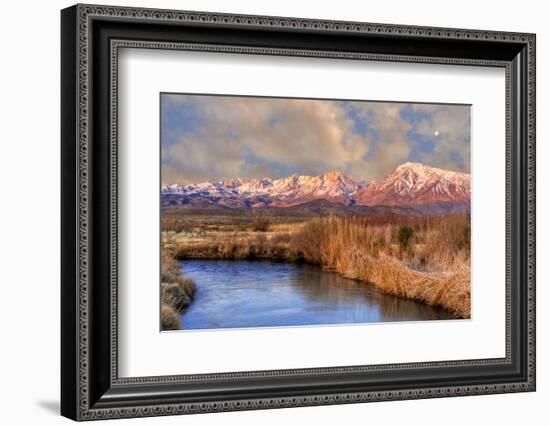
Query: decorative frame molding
[(91, 388)]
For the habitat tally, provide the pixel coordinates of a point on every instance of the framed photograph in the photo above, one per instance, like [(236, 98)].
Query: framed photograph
[(263, 212)]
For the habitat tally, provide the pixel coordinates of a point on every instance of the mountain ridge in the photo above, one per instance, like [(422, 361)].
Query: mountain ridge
[(415, 185)]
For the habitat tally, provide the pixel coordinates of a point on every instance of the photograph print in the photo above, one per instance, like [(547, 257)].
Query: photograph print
[(280, 212)]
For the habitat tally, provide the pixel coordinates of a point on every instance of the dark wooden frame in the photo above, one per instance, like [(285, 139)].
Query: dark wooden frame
[(91, 37)]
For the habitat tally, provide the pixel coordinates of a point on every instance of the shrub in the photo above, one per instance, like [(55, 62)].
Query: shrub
[(169, 318), (261, 221), (405, 236)]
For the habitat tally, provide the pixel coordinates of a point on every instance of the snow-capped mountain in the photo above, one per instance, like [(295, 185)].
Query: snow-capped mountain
[(284, 192), (420, 186), (415, 185), (296, 189)]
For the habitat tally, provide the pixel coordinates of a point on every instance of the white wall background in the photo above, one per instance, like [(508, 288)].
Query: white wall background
[(29, 213)]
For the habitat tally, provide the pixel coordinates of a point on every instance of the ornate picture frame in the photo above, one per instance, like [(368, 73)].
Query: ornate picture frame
[(91, 37)]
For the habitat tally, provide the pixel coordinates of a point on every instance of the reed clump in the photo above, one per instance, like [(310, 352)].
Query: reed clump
[(169, 318), (177, 291)]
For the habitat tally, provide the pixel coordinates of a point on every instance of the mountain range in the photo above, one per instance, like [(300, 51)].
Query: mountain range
[(411, 185)]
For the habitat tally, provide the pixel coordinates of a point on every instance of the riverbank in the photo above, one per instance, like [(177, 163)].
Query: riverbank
[(425, 259), (177, 292)]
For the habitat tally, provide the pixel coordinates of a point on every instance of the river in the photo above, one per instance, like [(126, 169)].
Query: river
[(237, 294)]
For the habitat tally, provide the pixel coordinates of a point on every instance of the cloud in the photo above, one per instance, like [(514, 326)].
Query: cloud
[(392, 146), (452, 143), (215, 137), (288, 134)]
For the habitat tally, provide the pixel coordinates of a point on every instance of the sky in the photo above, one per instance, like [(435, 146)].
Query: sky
[(212, 137)]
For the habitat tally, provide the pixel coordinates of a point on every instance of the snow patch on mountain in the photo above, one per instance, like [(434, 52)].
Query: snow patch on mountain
[(410, 184)]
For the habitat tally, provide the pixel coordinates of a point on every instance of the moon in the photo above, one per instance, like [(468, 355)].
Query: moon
[(436, 133)]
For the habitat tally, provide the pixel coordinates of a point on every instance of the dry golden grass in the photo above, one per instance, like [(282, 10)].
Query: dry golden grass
[(436, 244), (169, 265), (236, 246), (169, 318), (448, 290)]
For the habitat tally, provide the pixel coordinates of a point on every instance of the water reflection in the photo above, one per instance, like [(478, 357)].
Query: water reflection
[(236, 294)]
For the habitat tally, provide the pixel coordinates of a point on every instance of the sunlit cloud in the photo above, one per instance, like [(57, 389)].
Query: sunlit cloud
[(216, 137)]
